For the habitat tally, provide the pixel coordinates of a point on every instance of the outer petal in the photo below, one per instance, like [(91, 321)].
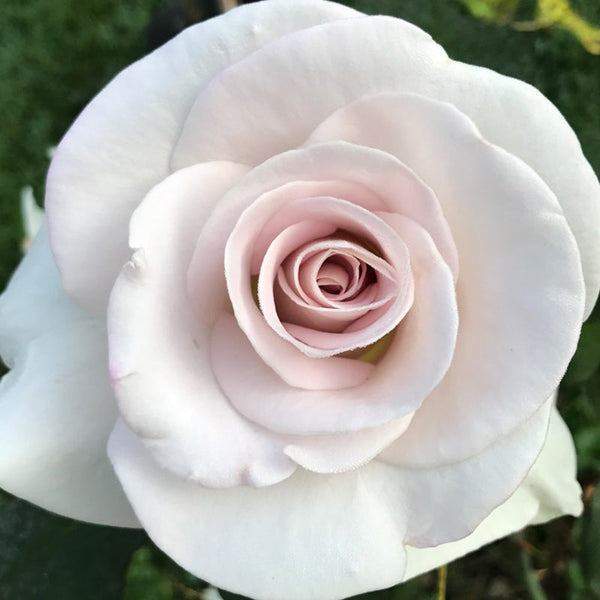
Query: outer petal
[(519, 293), (56, 405), (120, 145), (289, 86), (319, 537), (159, 351), (550, 490)]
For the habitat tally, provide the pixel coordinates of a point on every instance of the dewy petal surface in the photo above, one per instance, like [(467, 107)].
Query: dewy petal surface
[(392, 56), (56, 405), (319, 537), (132, 126), (159, 352), (520, 289), (550, 490)]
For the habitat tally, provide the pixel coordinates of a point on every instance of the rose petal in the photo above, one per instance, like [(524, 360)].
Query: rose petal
[(131, 128), (308, 535), (341, 452), (159, 352), (520, 295), (262, 193), (392, 56), (333, 316), (348, 217), (364, 176), (56, 405), (319, 536), (549, 491), (413, 365)]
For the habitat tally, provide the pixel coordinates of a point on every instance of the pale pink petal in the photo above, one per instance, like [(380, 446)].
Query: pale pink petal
[(297, 190), (159, 351), (320, 536), (290, 307), (549, 491), (520, 289), (273, 92), (56, 405), (341, 452), (120, 145), (346, 216), (304, 267), (363, 176), (413, 365)]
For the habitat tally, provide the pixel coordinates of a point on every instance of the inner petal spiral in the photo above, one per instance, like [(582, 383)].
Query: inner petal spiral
[(339, 292), (332, 285)]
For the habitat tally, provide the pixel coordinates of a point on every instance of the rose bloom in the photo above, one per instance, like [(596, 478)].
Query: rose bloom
[(314, 285)]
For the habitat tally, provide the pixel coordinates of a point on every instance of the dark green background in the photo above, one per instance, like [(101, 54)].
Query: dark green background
[(54, 56)]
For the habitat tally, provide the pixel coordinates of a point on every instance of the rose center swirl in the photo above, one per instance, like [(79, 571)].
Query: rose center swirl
[(332, 293)]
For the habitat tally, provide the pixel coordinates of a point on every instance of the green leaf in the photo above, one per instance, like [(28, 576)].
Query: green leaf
[(145, 581), (43, 556), (498, 11)]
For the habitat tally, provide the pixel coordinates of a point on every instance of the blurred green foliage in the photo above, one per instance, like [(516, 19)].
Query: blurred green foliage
[(548, 13), (54, 56), (49, 557)]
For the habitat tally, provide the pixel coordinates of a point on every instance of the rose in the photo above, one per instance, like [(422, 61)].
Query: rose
[(417, 234)]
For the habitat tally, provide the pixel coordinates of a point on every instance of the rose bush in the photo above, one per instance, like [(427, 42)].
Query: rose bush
[(338, 278)]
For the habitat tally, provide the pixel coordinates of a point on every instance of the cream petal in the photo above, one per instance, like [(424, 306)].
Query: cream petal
[(315, 536), (550, 490), (319, 536), (56, 405)]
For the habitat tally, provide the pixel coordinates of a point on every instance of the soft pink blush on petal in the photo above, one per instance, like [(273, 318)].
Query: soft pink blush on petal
[(367, 177), (392, 56), (351, 218), (213, 237), (418, 357), (318, 310), (171, 398), (159, 351), (520, 291)]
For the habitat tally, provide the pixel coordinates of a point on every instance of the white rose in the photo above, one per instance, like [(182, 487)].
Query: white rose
[(355, 275)]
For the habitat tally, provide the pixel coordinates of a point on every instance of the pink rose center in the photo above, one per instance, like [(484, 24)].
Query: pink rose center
[(330, 293)]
